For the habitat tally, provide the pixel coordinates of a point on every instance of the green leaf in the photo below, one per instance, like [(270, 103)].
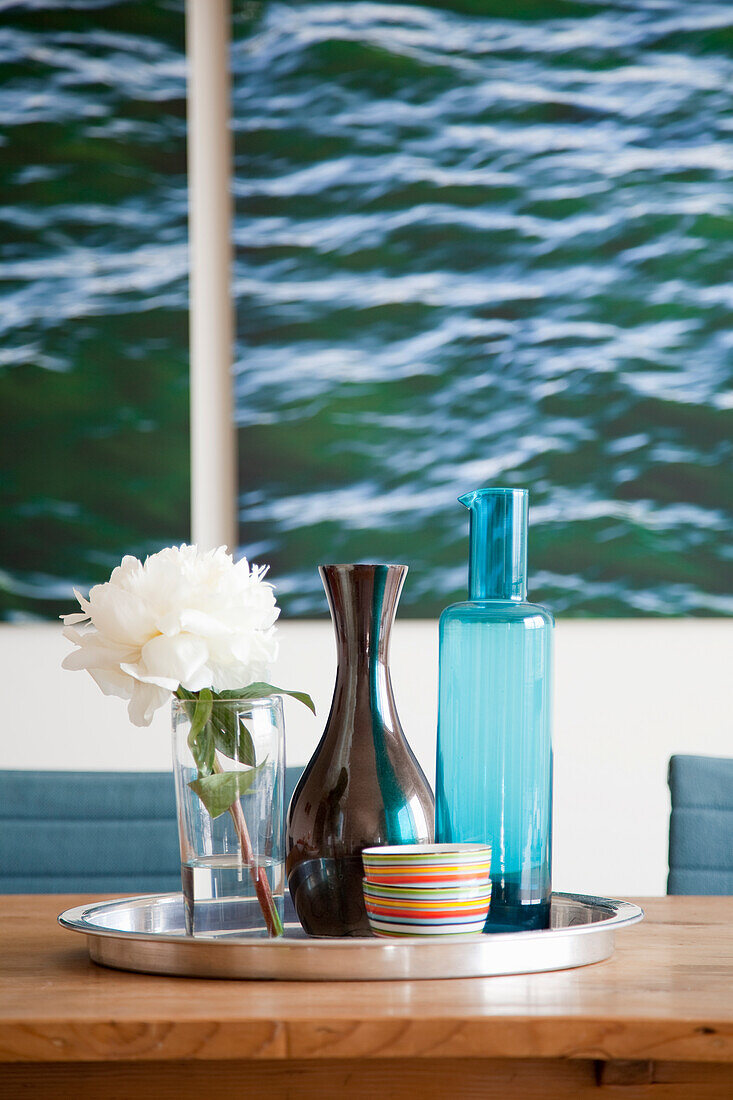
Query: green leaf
[(220, 728), (200, 739), (261, 691), (231, 735), (220, 791), (203, 749), (202, 711)]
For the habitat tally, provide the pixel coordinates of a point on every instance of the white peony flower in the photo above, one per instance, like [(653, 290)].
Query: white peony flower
[(184, 618)]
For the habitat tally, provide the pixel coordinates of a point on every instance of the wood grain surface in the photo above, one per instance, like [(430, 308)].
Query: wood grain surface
[(370, 1079), (665, 997)]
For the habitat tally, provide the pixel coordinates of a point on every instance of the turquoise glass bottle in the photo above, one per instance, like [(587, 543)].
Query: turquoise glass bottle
[(494, 764)]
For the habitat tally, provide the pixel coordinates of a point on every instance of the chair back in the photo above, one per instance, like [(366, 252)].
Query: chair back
[(701, 825), (91, 832)]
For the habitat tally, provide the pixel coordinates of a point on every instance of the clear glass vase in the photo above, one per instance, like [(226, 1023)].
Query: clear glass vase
[(232, 854)]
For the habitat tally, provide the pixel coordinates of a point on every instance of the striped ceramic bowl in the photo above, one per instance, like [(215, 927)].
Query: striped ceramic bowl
[(428, 864), (426, 911)]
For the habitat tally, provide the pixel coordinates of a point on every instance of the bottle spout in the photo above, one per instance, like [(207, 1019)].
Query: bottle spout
[(468, 499), (498, 543)]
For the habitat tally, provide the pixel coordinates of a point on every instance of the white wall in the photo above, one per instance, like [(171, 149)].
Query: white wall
[(628, 694)]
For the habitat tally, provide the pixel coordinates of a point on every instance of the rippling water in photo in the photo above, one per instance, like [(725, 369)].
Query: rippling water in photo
[(480, 248), (477, 243), (93, 293)]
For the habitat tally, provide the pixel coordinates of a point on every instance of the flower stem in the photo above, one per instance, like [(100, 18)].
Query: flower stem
[(259, 874)]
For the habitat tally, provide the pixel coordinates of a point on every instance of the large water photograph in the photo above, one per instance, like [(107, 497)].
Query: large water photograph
[(476, 244), (484, 243), (94, 453)]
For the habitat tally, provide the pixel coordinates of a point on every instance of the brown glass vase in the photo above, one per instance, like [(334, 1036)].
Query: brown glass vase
[(363, 785)]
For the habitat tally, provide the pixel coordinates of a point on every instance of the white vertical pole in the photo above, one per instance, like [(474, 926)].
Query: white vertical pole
[(213, 438)]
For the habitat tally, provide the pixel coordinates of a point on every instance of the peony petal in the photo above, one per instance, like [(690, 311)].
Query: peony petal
[(206, 626), (202, 679), (113, 683), (94, 654), (169, 624), (144, 702), (125, 574), (240, 648), (74, 617), (83, 602), (180, 657), (75, 636), (122, 616), (138, 673)]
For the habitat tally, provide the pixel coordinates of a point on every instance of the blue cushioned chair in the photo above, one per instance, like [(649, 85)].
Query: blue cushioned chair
[(91, 832), (701, 825)]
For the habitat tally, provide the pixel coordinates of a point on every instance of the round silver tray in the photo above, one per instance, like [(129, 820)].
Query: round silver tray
[(147, 934)]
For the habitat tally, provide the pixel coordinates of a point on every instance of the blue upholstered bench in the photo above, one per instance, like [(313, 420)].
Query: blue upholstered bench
[(701, 825), (91, 832)]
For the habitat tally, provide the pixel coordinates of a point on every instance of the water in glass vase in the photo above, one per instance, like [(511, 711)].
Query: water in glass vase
[(220, 900)]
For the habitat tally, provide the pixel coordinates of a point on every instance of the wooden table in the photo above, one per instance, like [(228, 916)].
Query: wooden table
[(656, 1020)]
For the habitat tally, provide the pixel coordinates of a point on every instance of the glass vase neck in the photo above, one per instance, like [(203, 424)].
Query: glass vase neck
[(363, 602), (498, 543)]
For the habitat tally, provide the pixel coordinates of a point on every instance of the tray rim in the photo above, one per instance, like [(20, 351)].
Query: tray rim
[(622, 914)]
